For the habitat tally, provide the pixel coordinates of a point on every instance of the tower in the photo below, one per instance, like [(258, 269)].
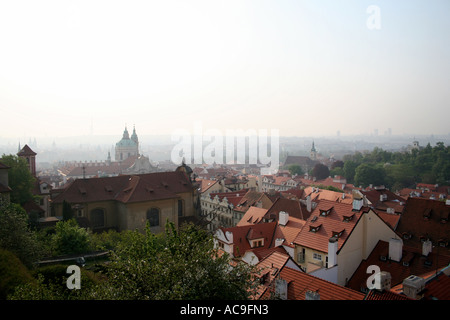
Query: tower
[(127, 147), (313, 154), (30, 156)]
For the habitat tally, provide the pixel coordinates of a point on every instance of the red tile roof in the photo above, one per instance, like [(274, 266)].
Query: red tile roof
[(242, 235), (253, 215), (299, 283), (293, 207), (206, 184), (385, 295), (268, 270), (412, 263), (126, 188), (289, 232), (425, 218), (340, 219), (26, 151)]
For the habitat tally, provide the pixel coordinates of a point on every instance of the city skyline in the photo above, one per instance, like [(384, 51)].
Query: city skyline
[(305, 68)]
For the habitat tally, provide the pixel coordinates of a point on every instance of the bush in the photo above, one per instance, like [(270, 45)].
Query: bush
[(13, 273)]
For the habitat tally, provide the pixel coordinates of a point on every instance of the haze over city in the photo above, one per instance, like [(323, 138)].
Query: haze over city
[(306, 68)]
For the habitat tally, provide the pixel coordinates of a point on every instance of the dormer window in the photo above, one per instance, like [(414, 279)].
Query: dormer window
[(325, 212), (337, 234), (348, 218), (314, 228), (427, 214)]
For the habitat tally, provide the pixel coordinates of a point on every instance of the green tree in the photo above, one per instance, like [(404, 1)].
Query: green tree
[(15, 234), (350, 170), (69, 238), (366, 174), (183, 265), (295, 169), (13, 273), (320, 171), (20, 179)]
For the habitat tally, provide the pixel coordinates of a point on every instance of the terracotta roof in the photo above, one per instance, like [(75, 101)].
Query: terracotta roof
[(391, 200), (317, 194), (253, 215), (412, 263), (438, 288), (327, 219), (126, 188), (391, 219), (26, 151), (250, 199), (293, 207), (425, 218), (206, 184), (233, 197), (268, 269), (299, 283), (289, 232), (384, 295), (242, 235)]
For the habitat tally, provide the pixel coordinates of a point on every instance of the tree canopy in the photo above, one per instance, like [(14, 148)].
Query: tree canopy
[(399, 169), (20, 179)]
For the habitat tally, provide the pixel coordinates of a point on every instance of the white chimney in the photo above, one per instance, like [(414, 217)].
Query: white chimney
[(427, 246), (332, 251), (281, 289), (395, 249), (383, 281), (283, 218), (278, 242), (308, 203)]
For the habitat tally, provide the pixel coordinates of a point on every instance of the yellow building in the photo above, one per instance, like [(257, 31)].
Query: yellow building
[(127, 202), (337, 237)]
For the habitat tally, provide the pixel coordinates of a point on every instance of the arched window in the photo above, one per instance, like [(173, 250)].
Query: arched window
[(153, 217), (98, 218)]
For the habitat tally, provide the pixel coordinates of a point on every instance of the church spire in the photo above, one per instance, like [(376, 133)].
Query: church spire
[(126, 134)]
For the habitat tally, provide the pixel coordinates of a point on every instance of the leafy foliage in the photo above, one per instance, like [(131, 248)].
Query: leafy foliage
[(20, 179), (15, 234), (178, 264), (398, 170), (70, 238)]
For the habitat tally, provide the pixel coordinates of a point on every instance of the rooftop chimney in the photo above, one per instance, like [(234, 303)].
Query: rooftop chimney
[(412, 286), (283, 218), (395, 249), (383, 281), (332, 251), (281, 289), (427, 246)]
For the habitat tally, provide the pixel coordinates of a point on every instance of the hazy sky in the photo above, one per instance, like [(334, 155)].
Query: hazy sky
[(303, 67)]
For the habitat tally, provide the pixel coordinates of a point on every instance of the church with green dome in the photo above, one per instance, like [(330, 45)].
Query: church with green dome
[(128, 146)]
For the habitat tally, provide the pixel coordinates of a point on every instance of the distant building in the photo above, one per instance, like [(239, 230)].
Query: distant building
[(30, 156), (127, 147), (128, 202)]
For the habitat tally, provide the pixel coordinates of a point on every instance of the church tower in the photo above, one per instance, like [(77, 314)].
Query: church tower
[(30, 156), (313, 154), (127, 147)]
